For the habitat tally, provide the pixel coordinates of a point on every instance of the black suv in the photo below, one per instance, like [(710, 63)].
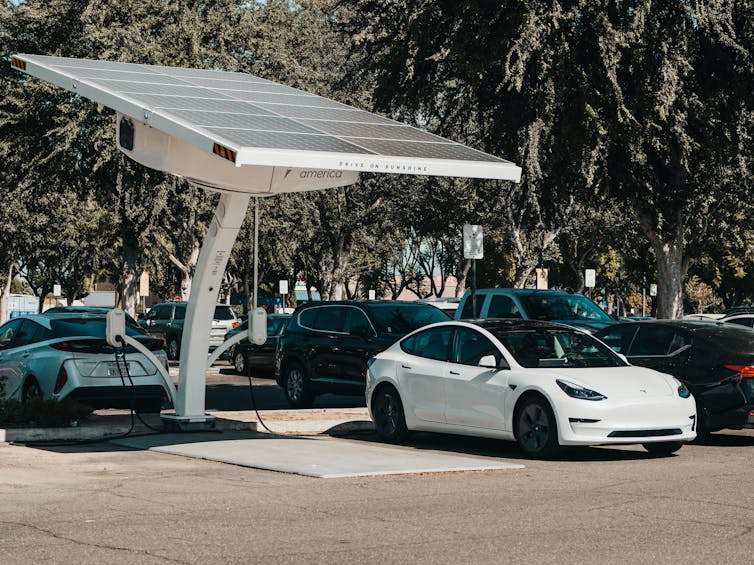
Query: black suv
[(326, 345)]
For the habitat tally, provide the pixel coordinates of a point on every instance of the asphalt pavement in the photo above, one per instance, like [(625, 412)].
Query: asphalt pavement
[(104, 503)]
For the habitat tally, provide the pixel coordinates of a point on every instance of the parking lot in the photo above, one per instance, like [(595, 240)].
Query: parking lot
[(103, 503)]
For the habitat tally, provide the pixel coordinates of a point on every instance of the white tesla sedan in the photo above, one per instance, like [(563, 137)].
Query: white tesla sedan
[(541, 384)]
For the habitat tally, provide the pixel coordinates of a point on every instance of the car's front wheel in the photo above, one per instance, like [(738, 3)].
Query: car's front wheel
[(239, 362), (298, 390), (536, 430), (174, 349), (663, 448), (389, 418)]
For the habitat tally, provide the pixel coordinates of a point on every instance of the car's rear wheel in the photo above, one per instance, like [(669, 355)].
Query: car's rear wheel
[(536, 430), (174, 349), (663, 448), (239, 362), (297, 388), (31, 390), (389, 418)]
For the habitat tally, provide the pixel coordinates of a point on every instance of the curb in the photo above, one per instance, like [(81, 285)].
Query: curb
[(113, 426)]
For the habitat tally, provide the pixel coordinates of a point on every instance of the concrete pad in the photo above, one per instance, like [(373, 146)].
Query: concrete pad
[(320, 457)]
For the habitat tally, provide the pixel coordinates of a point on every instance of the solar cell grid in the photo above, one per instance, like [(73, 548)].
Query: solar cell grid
[(242, 121), (345, 114), (283, 140), (248, 113)]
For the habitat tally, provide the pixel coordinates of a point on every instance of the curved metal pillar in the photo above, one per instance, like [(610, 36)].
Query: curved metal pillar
[(210, 268)]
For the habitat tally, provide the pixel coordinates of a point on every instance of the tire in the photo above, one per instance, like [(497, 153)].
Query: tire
[(388, 414), (297, 388), (239, 362), (663, 448), (32, 391), (536, 430), (703, 433), (174, 349)]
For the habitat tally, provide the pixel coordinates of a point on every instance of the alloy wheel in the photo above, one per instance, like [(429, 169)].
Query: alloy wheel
[(533, 428), (295, 384)]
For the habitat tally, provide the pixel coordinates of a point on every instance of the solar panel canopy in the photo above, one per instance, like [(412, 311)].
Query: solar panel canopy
[(202, 124)]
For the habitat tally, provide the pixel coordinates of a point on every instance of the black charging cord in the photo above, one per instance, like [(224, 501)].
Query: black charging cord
[(122, 354), (254, 403)]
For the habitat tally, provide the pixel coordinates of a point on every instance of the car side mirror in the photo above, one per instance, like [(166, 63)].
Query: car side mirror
[(489, 362)]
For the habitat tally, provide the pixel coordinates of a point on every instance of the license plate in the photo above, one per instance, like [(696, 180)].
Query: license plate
[(113, 371)]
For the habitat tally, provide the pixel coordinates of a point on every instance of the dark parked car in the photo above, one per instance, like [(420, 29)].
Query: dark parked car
[(326, 345), (547, 305), (714, 360), (259, 360), (166, 321)]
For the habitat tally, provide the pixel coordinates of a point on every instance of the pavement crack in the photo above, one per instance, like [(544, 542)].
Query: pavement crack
[(89, 544)]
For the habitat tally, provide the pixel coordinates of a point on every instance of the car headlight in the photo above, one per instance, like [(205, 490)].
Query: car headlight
[(683, 390), (580, 392)]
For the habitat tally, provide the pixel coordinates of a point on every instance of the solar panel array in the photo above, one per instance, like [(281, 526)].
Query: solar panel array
[(245, 111)]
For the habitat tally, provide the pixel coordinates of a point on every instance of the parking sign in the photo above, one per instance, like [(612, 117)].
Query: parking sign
[(473, 243)]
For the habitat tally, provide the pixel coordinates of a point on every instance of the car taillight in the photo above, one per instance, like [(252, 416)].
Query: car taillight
[(746, 371), (62, 379)]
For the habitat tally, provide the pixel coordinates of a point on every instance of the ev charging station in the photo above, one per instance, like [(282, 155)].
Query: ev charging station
[(244, 136)]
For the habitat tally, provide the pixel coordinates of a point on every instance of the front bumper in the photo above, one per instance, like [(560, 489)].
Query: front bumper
[(639, 420)]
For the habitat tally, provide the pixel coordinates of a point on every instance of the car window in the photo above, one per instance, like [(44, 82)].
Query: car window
[(467, 311), (748, 322), (89, 326), (41, 333), (619, 339), (164, 312), (551, 347), (502, 306), (403, 318), (433, 343), (470, 346), (25, 334), (562, 307), (8, 333), (652, 341), (330, 319), (180, 312), (152, 314), (224, 313), (357, 319)]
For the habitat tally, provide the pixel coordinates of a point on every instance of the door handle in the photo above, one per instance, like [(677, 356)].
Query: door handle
[(405, 367), (454, 373)]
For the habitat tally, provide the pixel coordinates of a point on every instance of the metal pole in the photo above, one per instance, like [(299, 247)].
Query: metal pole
[(256, 250), (644, 297), (473, 287)]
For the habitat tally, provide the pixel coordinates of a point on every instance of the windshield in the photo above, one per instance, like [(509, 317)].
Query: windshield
[(90, 326), (404, 318), (556, 347), (224, 313), (562, 307)]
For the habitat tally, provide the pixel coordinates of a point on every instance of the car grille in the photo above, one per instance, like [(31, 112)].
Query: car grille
[(646, 433)]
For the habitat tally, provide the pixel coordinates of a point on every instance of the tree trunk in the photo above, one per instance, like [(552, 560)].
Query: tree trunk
[(6, 294), (522, 273), (461, 281), (130, 286), (672, 265)]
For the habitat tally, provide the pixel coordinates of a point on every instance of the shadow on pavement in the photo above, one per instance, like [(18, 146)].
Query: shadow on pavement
[(486, 447)]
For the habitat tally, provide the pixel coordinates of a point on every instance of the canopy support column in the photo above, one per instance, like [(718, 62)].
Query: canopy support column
[(210, 268)]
